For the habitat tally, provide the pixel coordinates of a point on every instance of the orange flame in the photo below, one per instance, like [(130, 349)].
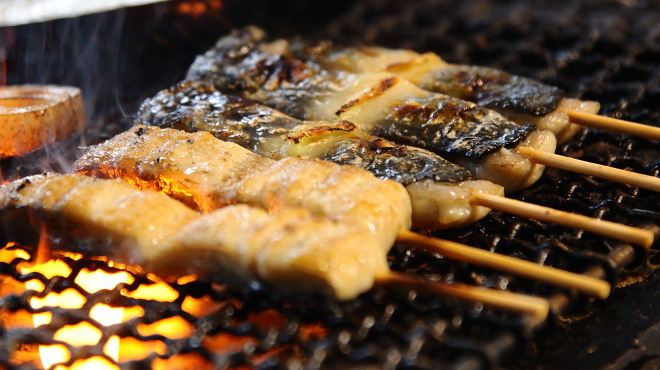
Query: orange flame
[(90, 333), (84, 333)]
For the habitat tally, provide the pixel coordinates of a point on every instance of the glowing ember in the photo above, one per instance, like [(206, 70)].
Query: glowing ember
[(132, 349), (186, 279), (312, 331), (200, 307), (89, 333), (69, 298), (12, 286), (89, 364), (268, 319), (84, 333), (173, 327), (7, 255), (198, 8), (49, 269), (160, 292), (187, 361), (226, 343), (93, 281), (132, 312), (53, 354)]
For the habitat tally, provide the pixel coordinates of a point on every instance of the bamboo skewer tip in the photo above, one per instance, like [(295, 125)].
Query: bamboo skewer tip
[(590, 169), (625, 233), (613, 124), (537, 308), (460, 252)]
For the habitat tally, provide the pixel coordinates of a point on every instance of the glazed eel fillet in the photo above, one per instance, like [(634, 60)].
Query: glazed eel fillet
[(520, 99), (439, 190), (291, 249), (206, 174), (381, 104)]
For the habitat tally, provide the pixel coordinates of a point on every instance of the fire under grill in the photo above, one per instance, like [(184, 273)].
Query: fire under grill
[(200, 324), (605, 51)]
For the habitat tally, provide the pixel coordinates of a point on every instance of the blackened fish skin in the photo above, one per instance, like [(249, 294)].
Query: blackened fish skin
[(199, 106), (453, 127), (488, 87), (495, 89)]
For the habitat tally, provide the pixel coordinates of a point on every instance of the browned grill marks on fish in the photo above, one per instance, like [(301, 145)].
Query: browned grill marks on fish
[(198, 106), (314, 131), (397, 67), (470, 136), (412, 110), (475, 82), (372, 93)]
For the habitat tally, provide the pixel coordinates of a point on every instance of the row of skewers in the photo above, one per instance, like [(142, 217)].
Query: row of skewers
[(326, 228)]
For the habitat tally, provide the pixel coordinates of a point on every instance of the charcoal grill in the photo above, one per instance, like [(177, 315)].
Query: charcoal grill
[(605, 51)]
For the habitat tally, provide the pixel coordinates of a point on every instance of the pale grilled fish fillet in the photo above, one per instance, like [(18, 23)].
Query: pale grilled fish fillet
[(292, 250), (209, 173), (82, 214)]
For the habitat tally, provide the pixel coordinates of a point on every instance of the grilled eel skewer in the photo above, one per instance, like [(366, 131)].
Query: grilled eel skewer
[(442, 194), (520, 99), (206, 173), (210, 173), (440, 191), (381, 104), (387, 105), (162, 235), (292, 250)]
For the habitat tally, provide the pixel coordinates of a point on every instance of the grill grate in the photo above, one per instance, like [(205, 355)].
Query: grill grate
[(251, 327)]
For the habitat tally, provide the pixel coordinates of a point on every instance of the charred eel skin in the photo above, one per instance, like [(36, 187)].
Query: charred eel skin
[(199, 106), (444, 125)]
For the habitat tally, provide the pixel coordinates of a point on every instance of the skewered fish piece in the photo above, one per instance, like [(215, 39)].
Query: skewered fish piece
[(381, 104), (436, 201), (520, 99), (292, 250), (189, 174), (439, 190), (387, 105), (288, 249), (207, 174), (199, 106)]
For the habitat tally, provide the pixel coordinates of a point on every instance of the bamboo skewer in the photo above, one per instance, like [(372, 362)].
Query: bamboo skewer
[(536, 307), (614, 230), (460, 252), (591, 169), (613, 124)]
